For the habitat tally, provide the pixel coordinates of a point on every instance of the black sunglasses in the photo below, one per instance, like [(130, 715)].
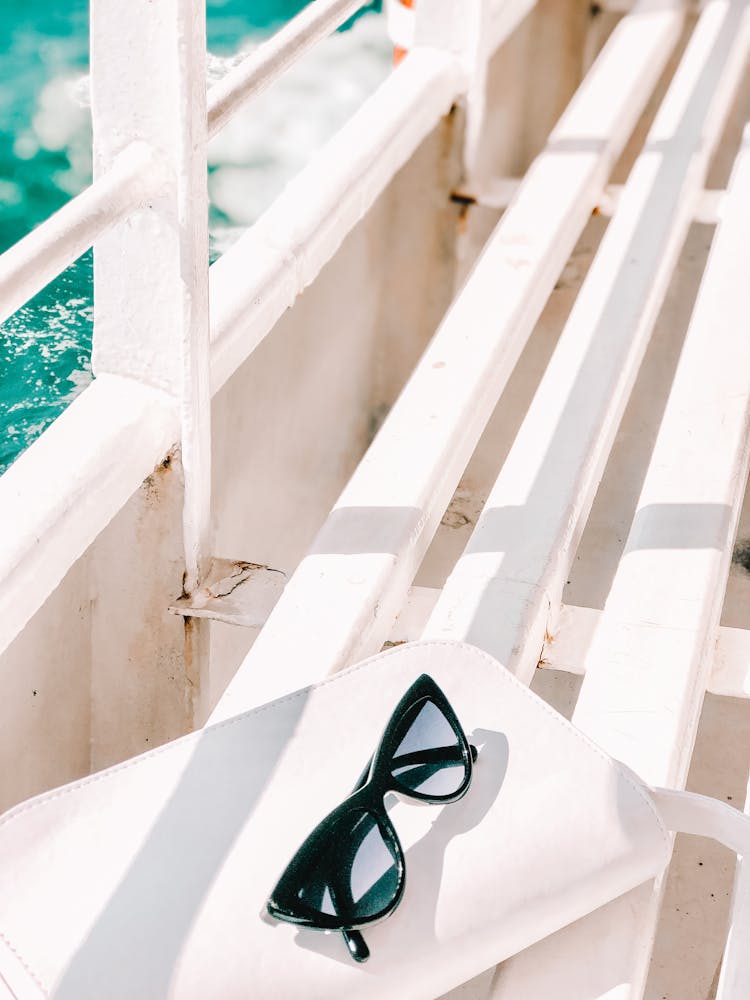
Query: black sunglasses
[(350, 871)]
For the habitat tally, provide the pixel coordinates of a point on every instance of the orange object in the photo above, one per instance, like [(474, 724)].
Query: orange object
[(398, 52)]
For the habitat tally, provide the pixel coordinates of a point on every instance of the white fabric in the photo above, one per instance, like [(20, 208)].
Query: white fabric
[(688, 812), (149, 880)]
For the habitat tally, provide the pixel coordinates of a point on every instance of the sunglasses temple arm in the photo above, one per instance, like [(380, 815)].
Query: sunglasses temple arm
[(356, 944), (362, 780)]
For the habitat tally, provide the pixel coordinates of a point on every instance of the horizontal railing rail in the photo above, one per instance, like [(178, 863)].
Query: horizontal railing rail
[(278, 257), (401, 489), (274, 57), (385, 131), (30, 264), (138, 173), (58, 241)]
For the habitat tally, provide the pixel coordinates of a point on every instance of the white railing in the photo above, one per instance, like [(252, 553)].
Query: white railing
[(400, 491), (274, 57), (39, 257), (655, 635), (146, 214)]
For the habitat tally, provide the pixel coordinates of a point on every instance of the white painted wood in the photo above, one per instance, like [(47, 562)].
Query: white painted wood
[(258, 269), (457, 26), (237, 593), (507, 586), (192, 221), (138, 285), (61, 492), (134, 176), (707, 208), (566, 648), (263, 273), (498, 193), (648, 664), (411, 26), (245, 594), (416, 610), (342, 599), (464, 29), (730, 673), (734, 981), (504, 18), (273, 57), (151, 272), (616, 6), (400, 21)]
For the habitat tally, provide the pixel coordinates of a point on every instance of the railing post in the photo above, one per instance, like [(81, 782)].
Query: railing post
[(151, 272), (457, 26), (148, 84)]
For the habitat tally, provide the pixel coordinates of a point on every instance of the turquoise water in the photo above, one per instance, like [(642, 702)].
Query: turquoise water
[(45, 158)]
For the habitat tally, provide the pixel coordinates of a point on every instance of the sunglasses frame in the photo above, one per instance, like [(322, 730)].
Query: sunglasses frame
[(367, 798)]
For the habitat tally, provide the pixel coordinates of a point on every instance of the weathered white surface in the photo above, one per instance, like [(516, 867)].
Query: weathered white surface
[(731, 248), (498, 193), (237, 593), (453, 21), (504, 18), (267, 426), (67, 486), (285, 447), (342, 599), (463, 28), (520, 553), (151, 271), (566, 646), (730, 673), (268, 267), (648, 663), (526, 86), (434, 79), (137, 94), (134, 176), (734, 983), (191, 168)]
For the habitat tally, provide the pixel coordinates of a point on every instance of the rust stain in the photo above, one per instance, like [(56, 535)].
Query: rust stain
[(454, 519), (463, 199), (152, 484), (463, 216)]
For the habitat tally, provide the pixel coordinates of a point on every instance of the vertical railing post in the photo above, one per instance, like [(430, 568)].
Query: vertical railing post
[(461, 27), (148, 84)]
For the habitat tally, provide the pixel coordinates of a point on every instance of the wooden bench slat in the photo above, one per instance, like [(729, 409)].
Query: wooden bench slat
[(342, 600), (647, 666), (506, 589)]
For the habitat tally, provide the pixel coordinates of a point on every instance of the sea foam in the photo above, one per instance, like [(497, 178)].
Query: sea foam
[(45, 347)]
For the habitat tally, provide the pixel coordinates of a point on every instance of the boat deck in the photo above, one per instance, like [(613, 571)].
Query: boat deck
[(510, 337)]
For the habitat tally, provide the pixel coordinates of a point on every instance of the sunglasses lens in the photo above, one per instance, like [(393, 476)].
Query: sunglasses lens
[(374, 873), (429, 759), (353, 875)]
